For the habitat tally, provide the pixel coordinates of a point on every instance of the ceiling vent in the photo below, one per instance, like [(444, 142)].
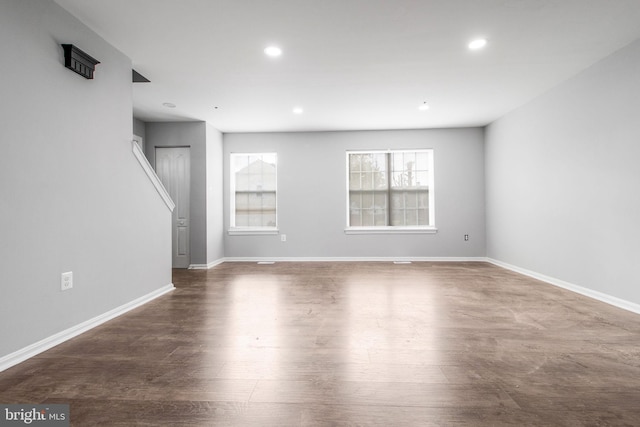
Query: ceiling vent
[(139, 78)]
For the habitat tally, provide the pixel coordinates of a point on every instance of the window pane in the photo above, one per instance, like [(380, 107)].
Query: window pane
[(380, 208), (411, 217), (380, 219), (242, 181), (242, 220), (255, 220), (423, 217), (409, 161), (255, 202), (354, 162), (268, 181), (410, 199), (397, 200), (367, 201), (367, 180), (255, 162), (378, 162), (380, 200), (380, 180), (269, 220), (240, 162), (422, 161), (354, 218), (397, 180), (422, 179), (255, 182), (367, 217), (423, 199), (267, 197), (242, 201), (367, 163), (406, 203), (397, 162), (255, 189), (397, 217), (355, 200), (354, 181), (270, 159)]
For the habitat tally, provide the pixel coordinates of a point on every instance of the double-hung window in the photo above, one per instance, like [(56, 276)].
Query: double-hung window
[(390, 191), (253, 192)]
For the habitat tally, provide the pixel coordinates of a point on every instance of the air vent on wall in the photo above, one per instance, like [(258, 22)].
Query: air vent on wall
[(139, 78), (78, 61)]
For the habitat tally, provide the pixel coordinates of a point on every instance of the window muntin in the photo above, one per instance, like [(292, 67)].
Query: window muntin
[(254, 191), (390, 189)]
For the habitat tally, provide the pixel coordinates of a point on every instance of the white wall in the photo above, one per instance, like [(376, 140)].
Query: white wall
[(312, 194), (563, 180), (215, 222), (73, 195)]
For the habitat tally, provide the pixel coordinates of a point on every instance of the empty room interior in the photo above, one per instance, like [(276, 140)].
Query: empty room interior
[(338, 212)]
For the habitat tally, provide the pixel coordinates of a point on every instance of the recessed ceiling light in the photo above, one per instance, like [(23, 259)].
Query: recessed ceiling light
[(273, 51), (423, 107), (477, 44), (169, 105), (298, 110)]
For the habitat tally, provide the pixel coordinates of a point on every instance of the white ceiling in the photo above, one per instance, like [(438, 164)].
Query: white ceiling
[(353, 64)]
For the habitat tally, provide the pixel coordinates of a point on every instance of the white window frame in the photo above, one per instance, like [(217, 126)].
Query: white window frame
[(389, 229), (233, 229)]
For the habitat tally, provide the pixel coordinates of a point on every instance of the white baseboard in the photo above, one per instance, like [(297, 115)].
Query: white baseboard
[(21, 355), (354, 259), (206, 266), (608, 299)]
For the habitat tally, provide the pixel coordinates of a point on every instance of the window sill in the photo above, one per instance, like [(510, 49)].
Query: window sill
[(253, 231), (390, 230)]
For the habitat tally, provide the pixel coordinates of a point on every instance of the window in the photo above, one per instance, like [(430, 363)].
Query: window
[(253, 192), (390, 191)]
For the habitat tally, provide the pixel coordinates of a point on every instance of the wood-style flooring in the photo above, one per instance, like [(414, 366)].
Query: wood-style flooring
[(348, 344)]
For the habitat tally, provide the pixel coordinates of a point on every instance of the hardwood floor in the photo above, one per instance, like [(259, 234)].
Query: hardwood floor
[(306, 344)]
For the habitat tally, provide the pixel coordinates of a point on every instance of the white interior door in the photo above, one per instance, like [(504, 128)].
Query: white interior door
[(173, 168)]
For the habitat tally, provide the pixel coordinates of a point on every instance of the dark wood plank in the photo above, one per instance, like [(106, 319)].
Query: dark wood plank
[(429, 344)]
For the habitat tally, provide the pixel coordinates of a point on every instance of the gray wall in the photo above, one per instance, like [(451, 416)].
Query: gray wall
[(205, 141), (73, 195), (215, 222), (192, 135), (563, 180), (312, 194), (139, 128)]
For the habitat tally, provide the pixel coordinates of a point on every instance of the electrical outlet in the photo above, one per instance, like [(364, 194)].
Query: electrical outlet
[(283, 237), (466, 237), (66, 281)]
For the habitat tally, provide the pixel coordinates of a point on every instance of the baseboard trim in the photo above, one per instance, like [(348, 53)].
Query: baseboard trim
[(28, 352), (354, 259), (599, 296), (206, 266)]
